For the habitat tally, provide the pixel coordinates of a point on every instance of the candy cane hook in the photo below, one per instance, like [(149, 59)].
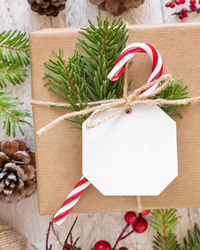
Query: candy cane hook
[(129, 52)]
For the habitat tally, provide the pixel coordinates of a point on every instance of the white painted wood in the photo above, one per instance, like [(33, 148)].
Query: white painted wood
[(24, 215)]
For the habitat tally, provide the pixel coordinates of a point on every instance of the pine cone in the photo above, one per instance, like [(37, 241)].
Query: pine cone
[(116, 7), (47, 7), (17, 171)]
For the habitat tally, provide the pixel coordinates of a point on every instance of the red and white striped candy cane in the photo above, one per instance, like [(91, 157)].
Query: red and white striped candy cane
[(129, 52), (116, 72), (71, 200)]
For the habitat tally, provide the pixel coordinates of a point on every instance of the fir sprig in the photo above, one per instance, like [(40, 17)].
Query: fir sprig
[(14, 57), (164, 221), (83, 78), (102, 46), (11, 113), (174, 91), (192, 241)]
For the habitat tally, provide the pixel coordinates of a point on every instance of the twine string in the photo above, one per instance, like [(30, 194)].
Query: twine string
[(133, 99)]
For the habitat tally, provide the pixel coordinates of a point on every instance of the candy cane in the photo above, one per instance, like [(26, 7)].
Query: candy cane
[(115, 73), (129, 52), (71, 200)]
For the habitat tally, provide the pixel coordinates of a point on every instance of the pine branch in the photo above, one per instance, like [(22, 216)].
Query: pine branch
[(174, 91), (67, 80), (102, 46), (164, 221), (14, 57), (192, 242), (83, 78), (11, 114)]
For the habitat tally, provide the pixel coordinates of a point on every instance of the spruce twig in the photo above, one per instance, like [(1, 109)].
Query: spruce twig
[(14, 57), (83, 77), (164, 221), (11, 114), (192, 241), (174, 91)]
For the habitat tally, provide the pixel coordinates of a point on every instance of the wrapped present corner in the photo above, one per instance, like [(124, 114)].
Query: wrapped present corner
[(58, 151)]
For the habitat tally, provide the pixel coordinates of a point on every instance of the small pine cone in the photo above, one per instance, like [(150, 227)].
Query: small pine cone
[(47, 7), (116, 7), (17, 171)]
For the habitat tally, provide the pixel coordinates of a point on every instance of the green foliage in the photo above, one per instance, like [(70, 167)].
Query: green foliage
[(164, 221), (102, 46), (174, 91), (192, 242), (11, 114), (83, 78), (14, 56)]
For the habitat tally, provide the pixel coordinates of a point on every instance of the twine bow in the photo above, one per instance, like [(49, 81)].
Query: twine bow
[(137, 97)]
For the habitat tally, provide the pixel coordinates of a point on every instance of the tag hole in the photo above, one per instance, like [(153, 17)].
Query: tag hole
[(128, 111)]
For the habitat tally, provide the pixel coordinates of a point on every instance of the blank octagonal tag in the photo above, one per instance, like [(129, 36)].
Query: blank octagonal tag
[(131, 154)]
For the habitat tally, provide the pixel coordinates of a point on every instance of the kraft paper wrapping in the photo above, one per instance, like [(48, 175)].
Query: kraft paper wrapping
[(58, 151)]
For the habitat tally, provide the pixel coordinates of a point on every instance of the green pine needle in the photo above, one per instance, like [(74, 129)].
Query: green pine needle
[(192, 242), (11, 114), (14, 57), (174, 91), (83, 77), (164, 221)]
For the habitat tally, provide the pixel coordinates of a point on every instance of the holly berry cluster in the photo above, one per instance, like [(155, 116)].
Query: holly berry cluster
[(134, 223), (137, 223), (183, 13)]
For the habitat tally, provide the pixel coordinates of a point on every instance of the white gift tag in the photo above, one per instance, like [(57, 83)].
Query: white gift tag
[(131, 154)]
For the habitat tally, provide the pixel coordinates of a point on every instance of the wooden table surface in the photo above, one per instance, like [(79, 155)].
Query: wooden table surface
[(24, 216)]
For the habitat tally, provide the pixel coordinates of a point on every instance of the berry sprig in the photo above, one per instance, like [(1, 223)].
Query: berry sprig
[(183, 13), (137, 223)]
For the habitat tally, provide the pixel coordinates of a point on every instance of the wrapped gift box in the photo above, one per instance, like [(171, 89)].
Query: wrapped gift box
[(58, 151)]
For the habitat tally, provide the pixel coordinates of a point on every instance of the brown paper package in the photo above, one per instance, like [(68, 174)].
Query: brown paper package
[(58, 151)]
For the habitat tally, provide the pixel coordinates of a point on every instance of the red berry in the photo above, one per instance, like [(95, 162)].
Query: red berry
[(178, 2), (198, 11), (193, 7), (167, 5), (184, 10), (140, 226), (144, 212), (123, 248), (68, 247), (182, 1), (181, 16), (192, 1), (130, 217), (102, 245), (172, 5)]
